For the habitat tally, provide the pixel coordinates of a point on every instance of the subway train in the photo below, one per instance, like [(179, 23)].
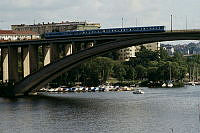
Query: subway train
[(111, 31)]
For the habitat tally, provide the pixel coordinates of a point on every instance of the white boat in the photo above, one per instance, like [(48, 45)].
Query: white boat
[(138, 91), (164, 85), (193, 84), (170, 85)]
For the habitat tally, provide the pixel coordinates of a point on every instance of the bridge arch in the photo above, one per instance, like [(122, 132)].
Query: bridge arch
[(55, 69)]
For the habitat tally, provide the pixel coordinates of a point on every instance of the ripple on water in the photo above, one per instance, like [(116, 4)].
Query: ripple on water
[(158, 110)]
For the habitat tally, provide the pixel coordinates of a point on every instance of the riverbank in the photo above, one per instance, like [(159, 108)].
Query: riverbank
[(101, 88)]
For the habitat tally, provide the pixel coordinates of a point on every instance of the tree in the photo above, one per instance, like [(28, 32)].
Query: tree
[(130, 73), (119, 72), (163, 54), (141, 72), (152, 74)]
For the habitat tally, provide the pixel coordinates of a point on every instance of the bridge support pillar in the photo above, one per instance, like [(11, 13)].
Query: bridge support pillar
[(68, 49), (50, 53), (30, 59), (82, 46), (10, 64), (74, 49), (54, 52), (46, 53), (4, 59)]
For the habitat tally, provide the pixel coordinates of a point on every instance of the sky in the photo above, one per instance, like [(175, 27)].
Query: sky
[(108, 13)]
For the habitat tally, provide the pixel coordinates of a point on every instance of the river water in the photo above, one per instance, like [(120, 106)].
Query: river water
[(156, 111)]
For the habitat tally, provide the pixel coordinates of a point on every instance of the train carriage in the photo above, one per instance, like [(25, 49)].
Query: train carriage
[(105, 32)]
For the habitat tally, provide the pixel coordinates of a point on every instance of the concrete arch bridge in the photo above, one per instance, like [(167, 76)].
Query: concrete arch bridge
[(76, 50)]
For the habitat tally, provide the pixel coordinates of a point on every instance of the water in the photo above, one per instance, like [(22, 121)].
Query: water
[(158, 110)]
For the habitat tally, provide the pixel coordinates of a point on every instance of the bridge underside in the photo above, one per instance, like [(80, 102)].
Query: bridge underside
[(51, 71)]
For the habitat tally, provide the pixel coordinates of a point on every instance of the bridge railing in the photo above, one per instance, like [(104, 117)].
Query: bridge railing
[(186, 30)]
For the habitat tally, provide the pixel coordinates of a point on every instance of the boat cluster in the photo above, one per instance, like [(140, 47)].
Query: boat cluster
[(101, 88)]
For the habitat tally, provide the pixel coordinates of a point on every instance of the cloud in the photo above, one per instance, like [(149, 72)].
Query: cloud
[(106, 12)]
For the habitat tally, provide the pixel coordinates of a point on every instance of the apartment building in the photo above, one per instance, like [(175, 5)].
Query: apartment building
[(42, 28)]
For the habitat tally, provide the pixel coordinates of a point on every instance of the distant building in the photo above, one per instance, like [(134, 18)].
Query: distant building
[(150, 46), (11, 35), (53, 27), (127, 53), (170, 50)]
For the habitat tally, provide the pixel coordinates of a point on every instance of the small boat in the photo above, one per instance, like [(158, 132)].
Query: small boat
[(138, 91), (170, 85), (164, 85), (193, 84)]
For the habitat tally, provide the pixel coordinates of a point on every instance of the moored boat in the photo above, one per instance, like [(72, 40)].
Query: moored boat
[(138, 91), (164, 85), (170, 85)]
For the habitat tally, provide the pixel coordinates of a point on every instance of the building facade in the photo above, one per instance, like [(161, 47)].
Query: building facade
[(56, 27), (170, 50), (127, 53), (11, 35)]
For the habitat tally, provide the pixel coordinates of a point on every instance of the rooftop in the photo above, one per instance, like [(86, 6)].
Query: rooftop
[(60, 23), (16, 32)]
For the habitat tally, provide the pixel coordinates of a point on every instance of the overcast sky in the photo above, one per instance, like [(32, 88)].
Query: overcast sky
[(107, 12)]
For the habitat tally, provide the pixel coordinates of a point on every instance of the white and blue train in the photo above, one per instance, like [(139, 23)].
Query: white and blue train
[(105, 31)]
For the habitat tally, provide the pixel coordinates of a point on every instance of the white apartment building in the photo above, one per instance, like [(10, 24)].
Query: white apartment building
[(11, 35)]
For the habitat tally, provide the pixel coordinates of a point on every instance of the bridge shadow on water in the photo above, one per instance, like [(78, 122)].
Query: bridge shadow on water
[(56, 101)]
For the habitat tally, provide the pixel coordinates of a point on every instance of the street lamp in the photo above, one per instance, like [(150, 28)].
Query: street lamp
[(122, 22), (171, 23), (186, 23)]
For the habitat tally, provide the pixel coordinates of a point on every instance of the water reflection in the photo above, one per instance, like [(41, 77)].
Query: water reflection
[(156, 111)]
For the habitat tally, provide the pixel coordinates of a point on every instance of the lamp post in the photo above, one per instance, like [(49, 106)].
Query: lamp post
[(122, 22), (136, 21), (186, 23), (171, 23)]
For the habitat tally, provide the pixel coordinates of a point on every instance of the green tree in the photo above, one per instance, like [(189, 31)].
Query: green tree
[(119, 72), (141, 72)]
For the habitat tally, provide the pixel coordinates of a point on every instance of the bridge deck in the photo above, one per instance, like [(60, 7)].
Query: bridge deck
[(91, 38)]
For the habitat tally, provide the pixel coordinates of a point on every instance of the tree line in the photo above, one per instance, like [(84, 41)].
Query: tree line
[(149, 66)]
